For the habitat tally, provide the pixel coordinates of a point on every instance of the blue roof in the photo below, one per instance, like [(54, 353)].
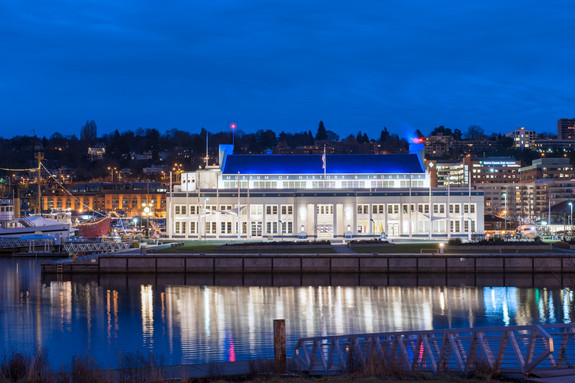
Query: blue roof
[(312, 164)]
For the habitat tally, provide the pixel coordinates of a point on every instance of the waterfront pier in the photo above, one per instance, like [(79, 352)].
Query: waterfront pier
[(517, 351)]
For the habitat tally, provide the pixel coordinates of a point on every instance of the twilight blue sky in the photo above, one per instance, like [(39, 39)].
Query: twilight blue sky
[(285, 65)]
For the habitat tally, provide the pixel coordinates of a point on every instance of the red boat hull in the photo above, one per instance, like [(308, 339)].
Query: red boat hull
[(95, 229)]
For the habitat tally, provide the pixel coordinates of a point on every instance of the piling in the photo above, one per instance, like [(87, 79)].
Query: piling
[(280, 345)]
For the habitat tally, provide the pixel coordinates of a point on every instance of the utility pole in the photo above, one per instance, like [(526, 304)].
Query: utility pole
[(39, 156)]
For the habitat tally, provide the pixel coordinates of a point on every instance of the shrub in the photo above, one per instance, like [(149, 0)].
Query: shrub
[(24, 368), (454, 241), (561, 245)]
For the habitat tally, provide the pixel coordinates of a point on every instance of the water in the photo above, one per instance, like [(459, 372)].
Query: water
[(207, 323)]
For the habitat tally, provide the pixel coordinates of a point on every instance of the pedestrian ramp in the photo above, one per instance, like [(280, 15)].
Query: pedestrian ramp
[(538, 351)]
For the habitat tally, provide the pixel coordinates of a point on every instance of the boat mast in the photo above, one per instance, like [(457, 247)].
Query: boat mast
[(39, 156)]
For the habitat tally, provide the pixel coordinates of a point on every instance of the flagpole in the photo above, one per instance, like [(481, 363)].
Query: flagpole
[(324, 166)]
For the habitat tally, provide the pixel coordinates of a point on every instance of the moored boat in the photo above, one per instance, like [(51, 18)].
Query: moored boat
[(94, 229)]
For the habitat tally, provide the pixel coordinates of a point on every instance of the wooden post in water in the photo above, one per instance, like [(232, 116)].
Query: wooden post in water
[(280, 345)]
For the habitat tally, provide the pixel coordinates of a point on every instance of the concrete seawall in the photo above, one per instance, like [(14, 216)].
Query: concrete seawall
[(319, 263)]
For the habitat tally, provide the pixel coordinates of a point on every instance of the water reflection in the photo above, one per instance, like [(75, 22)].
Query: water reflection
[(201, 323)]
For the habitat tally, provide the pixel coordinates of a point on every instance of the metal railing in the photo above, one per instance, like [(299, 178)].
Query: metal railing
[(92, 247), (519, 349), (29, 243)]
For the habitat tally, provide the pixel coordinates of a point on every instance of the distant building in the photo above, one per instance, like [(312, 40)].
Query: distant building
[(522, 138), (545, 145), (437, 146), (141, 157), (566, 129), (157, 169), (482, 144), (547, 168), (96, 152), (127, 197), (484, 170)]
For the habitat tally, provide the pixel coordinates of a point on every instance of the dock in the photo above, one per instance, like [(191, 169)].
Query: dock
[(557, 263), (542, 352)]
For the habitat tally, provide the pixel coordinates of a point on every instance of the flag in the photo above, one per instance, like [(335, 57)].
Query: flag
[(323, 160)]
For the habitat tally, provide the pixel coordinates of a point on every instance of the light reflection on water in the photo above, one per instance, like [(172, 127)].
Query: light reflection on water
[(191, 324)]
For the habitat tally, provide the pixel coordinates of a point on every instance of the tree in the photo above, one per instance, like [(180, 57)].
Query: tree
[(441, 131), (474, 131), (89, 132), (332, 136), (321, 132)]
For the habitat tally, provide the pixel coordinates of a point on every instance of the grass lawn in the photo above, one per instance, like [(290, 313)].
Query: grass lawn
[(402, 248), (211, 249), (399, 248)]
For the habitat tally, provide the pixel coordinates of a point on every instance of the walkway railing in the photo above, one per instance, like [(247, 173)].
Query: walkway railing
[(519, 349), (29, 243), (92, 247)]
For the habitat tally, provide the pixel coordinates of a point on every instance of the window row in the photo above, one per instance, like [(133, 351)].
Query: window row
[(232, 228)]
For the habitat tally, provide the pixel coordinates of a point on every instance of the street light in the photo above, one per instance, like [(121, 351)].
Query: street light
[(112, 170), (147, 211), (571, 224), (505, 198)]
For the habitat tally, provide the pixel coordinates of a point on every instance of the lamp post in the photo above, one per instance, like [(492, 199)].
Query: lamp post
[(505, 198), (112, 170), (147, 211), (571, 217)]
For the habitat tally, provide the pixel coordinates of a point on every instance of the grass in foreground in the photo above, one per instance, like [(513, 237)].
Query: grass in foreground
[(140, 368)]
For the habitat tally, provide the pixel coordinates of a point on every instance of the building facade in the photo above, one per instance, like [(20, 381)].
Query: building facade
[(484, 170), (315, 196), (547, 168), (566, 129), (523, 138)]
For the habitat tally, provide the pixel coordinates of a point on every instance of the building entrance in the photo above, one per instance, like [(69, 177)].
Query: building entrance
[(325, 231), (393, 229)]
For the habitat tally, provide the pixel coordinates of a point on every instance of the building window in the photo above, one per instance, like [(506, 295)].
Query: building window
[(324, 209), (362, 209), (393, 209), (287, 209), (271, 227), (454, 208), (193, 228), (469, 208), (271, 209), (377, 209), (455, 226), (225, 227), (438, 208), (256, 229), (244, 227), (177, 228), (256, 210), (423, 208), (211, 227)]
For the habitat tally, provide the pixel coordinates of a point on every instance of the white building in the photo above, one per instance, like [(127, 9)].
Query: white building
[(294, 196), (523, 138)]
